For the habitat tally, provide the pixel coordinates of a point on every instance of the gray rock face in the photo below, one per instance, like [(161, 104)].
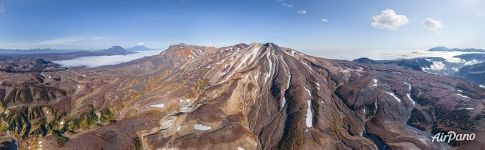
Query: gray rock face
[(258, 96)]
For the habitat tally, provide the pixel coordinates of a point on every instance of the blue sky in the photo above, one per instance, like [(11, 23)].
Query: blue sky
[(312, 26)]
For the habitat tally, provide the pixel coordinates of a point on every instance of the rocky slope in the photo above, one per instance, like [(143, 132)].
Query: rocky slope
[(29, 65), (258, 96)]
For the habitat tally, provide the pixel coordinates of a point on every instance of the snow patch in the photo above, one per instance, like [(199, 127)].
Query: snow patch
[(246, 59), (409, 97), (270, 64), (161, 105), (240, 148), (482, 86), (309, 93), (309, 115), (287, 70), (464, 96), (375, 106), (394, 96), (201, 127), (409, 93), (409, 86), (375, 82), (469, 108), (308, 66), (256, 77)]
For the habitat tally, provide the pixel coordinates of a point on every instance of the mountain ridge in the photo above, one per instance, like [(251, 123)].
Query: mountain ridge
[(257, 96), (442, 48), (54, 54), (139, 48)]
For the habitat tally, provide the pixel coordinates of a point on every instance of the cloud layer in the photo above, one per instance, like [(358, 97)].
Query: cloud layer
[(301, 12), (77, 42), (324, 20), (389, 20), (96, 61), (287, 5), (432, 24)]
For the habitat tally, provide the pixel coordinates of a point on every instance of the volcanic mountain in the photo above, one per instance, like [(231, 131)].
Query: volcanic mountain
[(257, 96), (140, 48)]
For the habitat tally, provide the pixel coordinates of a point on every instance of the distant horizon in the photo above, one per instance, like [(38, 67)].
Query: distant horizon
[(312, 26), (40, 48), (376, 54), (217, 46)]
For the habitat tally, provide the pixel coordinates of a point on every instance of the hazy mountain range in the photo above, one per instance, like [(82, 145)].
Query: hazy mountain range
[(115, 50), (63, 54), (442, 48)]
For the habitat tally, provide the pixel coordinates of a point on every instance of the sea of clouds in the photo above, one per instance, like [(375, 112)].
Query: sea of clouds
[(96, 61)]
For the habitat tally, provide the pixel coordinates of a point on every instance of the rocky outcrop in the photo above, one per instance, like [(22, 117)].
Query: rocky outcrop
[(29, 65)]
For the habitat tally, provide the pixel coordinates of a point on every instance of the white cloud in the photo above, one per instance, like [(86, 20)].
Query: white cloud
[(432, 24), (389, 20), (435, 66), (287, 5), (324, 20), (301, 12), (72, 40), (76, 42), (140, 43)]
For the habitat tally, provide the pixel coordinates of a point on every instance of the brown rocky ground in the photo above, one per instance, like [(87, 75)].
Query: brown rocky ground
[(258, 96)]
